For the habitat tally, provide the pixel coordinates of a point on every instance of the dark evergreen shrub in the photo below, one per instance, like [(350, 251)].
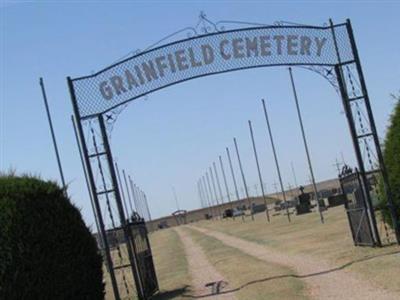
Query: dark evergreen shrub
[(391, 153), (46, 250)]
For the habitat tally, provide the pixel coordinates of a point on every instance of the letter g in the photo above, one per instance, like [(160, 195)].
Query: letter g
[(106, 90)]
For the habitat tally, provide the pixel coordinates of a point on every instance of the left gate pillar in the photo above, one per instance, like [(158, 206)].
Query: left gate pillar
[(102, 181)]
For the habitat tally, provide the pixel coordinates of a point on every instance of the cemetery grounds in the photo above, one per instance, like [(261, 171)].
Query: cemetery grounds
[(251, 260)]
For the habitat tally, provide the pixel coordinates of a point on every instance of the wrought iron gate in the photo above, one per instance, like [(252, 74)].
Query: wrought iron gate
[(98, 98), (360, 215), (145, 265)]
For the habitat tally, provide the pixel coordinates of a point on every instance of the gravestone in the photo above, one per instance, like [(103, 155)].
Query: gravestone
[(337, 200), (256, 208), (304, 205), (278, 205)]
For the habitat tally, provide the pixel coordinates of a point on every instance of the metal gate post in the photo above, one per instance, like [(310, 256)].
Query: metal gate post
[(357, 150), (88, 187), (151, 252), (382, 166), (125, 227), (353, 130), (346, 206), (93, 189)]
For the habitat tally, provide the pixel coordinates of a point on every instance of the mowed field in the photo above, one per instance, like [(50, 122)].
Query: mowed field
[(304, 259)]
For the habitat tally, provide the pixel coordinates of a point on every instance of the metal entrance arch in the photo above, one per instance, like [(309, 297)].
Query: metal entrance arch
[(97, 100)]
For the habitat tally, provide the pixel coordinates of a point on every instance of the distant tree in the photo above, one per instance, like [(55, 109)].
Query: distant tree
[(391, 154)]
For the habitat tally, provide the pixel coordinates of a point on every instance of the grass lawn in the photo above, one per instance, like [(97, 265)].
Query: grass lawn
[(170, 264), (331, 241), (253, 278), (304, 235)]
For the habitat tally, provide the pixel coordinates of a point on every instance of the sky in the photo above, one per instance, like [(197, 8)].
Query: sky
[(172, 137)]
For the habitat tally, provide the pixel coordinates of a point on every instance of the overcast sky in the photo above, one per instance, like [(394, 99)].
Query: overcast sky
[(172, 138)]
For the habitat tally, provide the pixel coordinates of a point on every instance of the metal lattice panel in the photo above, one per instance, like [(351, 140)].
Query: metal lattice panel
[(209, 54)]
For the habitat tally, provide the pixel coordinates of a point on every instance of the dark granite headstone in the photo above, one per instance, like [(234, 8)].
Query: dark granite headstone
[(256, 208), (337, 200), (278, 205), (304, 205)]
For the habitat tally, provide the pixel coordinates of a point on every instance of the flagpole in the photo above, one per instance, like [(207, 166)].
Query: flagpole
[(306, 146), (53, 136)]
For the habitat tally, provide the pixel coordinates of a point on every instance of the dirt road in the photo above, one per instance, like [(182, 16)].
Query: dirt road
[(207, 283), (323, 280)]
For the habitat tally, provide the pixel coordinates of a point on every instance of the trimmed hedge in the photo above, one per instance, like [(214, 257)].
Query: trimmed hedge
[(46, 250), (391, 154)]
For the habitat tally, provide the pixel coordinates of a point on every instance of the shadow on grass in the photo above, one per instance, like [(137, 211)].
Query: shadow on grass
[(292, 276), (166, 295)]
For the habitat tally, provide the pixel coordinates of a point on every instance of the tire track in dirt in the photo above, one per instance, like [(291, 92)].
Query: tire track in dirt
[(201, 270), (323, 280)]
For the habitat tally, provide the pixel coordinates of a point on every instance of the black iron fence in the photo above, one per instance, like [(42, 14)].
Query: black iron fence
[(358, 212), (144, 257)]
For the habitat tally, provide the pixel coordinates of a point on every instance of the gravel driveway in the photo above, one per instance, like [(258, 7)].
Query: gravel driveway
[(206, 281), (324, 281)]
